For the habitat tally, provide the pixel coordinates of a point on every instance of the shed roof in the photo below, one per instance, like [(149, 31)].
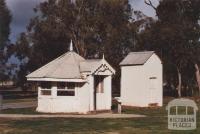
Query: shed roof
[(136, 58)]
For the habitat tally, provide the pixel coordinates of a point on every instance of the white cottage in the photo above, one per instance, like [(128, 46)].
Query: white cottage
[(141, 80), (72, 84)]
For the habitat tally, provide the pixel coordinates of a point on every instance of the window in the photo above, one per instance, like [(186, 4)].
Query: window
[(66, 89), (152, 78), (65, 93), (45, 85), (61, 85), (45, 92)]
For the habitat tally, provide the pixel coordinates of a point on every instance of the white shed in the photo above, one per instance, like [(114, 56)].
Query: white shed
[(141, 80), (72, 84)]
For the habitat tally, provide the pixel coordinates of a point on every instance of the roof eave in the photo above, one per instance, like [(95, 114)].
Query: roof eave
[(56, 79), (131, 64)]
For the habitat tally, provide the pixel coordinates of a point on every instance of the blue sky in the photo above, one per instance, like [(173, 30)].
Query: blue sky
[(22, 11)]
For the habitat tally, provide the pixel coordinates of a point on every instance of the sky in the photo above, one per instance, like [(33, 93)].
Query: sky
[(22, 12)]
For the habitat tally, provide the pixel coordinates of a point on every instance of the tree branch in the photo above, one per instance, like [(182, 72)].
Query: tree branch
[(149, 3)]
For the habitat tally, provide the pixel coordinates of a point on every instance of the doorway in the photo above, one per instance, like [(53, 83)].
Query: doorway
[(153, 90), (98, 91)]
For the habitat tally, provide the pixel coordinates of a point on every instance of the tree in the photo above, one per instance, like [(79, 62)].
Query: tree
[(95, 27), (5, 19), (175, 35)]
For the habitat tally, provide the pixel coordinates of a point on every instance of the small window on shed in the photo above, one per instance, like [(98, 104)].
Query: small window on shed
[(45, 85), (152, 78)]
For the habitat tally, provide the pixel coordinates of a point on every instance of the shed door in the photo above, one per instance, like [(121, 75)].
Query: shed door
[(153, 89)]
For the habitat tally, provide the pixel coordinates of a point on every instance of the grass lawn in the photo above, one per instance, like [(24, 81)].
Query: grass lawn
[(18, 100), (19, 111), (154, 123)]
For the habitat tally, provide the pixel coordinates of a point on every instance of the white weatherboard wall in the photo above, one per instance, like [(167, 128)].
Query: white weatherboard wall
[(82, 102), (71, 67), (135, 83), (69, 104), (153, 68)]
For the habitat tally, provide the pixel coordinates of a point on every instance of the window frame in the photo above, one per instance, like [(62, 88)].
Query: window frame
[(66, 89)]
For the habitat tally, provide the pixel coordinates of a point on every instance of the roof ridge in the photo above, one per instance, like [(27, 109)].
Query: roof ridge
[(92, 60), (78, 64), (142, 52)]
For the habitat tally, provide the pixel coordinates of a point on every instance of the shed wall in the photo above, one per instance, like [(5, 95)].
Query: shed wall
[(135, 83), (153, 68), (132, 86)]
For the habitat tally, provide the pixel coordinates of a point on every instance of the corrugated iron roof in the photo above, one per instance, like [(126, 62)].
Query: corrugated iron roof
[(136, 58), (68, 66), (88, 65), (65, 66)]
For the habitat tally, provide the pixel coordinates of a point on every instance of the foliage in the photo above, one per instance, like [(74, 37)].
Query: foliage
[(95, 27), (5, 19), (175, 38), (108, 26)]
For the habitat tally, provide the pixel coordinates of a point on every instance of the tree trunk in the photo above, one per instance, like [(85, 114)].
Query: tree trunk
[(179, 83), (197, 73)]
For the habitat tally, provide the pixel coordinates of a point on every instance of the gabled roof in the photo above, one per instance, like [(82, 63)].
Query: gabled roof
[(87, 65), (136, 58), (93, 65), (65, 66)]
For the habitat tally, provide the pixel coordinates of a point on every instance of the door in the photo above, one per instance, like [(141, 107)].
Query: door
[(153, 90), (99, 92)]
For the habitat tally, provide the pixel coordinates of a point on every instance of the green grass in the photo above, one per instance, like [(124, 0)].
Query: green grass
[(18, 100), (20, 111), (149, 125), (154, 123)]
